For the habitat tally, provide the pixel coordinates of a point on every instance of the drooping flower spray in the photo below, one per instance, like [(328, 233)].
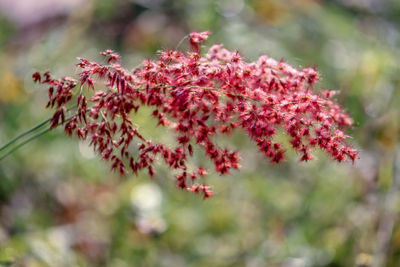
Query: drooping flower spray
[(198, 97)]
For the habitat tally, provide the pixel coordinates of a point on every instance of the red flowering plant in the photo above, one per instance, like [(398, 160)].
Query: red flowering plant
[(198, 97)]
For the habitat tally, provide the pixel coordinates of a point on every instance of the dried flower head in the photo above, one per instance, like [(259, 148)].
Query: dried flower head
[(198, 97)]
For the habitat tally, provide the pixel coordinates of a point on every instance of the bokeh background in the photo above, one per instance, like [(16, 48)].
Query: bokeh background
[(61, 206)]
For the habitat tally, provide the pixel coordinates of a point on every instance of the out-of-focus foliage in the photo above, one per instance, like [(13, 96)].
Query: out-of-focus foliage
[(61, 206)]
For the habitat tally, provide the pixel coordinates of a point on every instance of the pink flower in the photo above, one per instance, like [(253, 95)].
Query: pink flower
[(196, 38), (198, 98)]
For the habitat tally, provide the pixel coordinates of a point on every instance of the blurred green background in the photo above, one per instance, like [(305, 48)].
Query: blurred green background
[(61, 206)]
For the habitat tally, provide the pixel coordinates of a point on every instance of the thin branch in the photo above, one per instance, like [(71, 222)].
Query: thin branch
[(388, 216), (24, 143), (15, 139), (32, 137)]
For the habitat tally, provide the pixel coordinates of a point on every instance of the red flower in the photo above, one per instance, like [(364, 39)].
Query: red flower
[(196, 38), (199, 98)]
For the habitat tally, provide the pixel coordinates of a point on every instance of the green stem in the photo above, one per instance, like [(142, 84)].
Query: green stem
[(25, 142), (24, 134), (31, 138), (15, 139), (181, 41)]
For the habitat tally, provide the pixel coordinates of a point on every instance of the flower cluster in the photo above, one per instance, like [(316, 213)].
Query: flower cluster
[(198, 97)]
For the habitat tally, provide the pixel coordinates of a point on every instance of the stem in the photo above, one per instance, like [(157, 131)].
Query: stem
[(15, 139), (25, 142), (181, 41), (24, 134), (31, 138), (388, 215)]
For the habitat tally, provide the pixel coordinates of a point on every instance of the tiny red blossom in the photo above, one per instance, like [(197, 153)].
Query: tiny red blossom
[(196, 38), (198, 97)]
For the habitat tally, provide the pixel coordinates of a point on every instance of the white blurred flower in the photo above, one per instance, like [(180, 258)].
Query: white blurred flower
[(146, 199)]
